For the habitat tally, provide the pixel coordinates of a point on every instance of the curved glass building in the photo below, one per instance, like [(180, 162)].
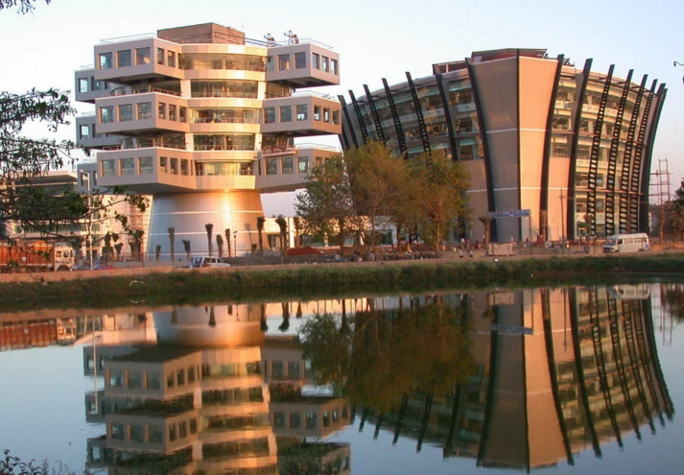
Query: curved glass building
[(556, 149)]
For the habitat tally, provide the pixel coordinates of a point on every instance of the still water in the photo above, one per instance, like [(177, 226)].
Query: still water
[(580, 380)]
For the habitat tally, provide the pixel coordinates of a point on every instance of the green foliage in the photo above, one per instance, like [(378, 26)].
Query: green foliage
[(25, 6)]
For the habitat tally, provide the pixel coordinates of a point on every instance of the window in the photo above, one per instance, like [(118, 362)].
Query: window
[(106, 114), (161, 110), (99, 85), (317, 112), (170, 381), (123, 58), (336, 117), (180, 376), (316, 61), (134, 380), (116, 379), (126, 112), (84, 132), (105, 61), (142, 56), (283, 62), (172, 111), (118, 431), (184, 167), (286, 114), (302, 113), (295, 420), (174, 166), (153, 380), (160, 55), (144, 110), (326, 115), (171, 59), (137, 433), (303, 164), (333, 67), (325, 64), (277, 369), (155, 434), (270, 64), (183, 116), (300, 60), (278, 420), (288, 165), (83, 85), (311, 420), (269, 115), (163, 164), (146, 166), (271, 166), (292, 366), (127, 167), (107, 167)]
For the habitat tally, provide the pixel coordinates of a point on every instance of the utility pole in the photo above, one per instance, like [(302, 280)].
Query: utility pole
[(562, 221)]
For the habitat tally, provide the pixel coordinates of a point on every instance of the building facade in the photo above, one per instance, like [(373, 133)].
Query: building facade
[(203, 119), (558, 150)]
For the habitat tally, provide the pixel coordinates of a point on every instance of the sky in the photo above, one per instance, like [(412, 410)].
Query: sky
[(375, 40)]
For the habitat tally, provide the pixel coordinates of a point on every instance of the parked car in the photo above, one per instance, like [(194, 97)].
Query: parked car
[(204, 261), (103, 267)]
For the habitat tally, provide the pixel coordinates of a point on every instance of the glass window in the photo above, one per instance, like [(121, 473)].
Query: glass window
[(134, 380), (170, 380), (333, 66), (106, 114), (317, 112), (99, 85), (311, 420), (174, 166), (270, 64), (288, 165), (191, 374), (180, 376), (183, 115), (295, 420), (336, 117), (283, 61), (146, 166), (184, 167), (292, 366), (302, 112), (171, 59), (116, 379), (285, 113), (144, 110), (155, 434), (172, 111), (123, 58), (161, 110), (300, 60), (107, 167), (325, 64), (326, 115), (303, 164), (271, 166), (105, 61), (160, 55), (269, 115), (125, 112), (316, 61), (163, 164), (153, 380), (118, 431), (84, 132), (83, 85), (127, 166), (142, 56), (137, 433), (278, 420)]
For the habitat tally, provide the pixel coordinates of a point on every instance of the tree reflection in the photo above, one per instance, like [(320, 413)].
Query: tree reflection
[(377, 357), (673, 300)]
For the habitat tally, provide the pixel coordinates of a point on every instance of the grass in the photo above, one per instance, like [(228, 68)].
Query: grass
[(310, 281)]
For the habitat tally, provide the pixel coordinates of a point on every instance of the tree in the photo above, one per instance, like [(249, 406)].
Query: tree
[(378, 184), (282, 224), (227, 233), (260, 229), (210, 228), (437, 195), (326, 205), (172, 244), (219, 244), (188, 248), (487, 222)]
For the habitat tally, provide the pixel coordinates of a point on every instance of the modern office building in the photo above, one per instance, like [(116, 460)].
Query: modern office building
[(559, 150), (203, 120)]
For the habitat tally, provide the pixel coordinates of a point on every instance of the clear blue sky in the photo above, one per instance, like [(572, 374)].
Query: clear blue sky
[(374, 39)]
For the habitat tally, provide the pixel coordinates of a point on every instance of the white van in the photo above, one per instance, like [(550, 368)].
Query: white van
[(205, 261), (627, 243)]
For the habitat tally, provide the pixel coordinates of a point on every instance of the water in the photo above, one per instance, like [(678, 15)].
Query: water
[(565, 381)]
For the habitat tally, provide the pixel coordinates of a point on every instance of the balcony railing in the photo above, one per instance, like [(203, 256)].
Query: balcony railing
[(238, 95), (125, 91), (224, 120)]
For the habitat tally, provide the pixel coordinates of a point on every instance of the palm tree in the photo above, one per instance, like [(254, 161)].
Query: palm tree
[(188, 250), (219, 244), (227, 232), (282, 224), (260, 227), (172, 243), (210, 228)]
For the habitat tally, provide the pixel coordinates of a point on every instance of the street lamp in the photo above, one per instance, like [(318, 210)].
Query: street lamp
[(562, 221), (235, 243)]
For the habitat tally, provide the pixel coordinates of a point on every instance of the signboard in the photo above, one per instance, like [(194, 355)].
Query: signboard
[(516, 213)]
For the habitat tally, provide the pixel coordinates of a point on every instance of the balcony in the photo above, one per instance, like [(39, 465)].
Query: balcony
[(286, 169), (302, 115), (303, 65)]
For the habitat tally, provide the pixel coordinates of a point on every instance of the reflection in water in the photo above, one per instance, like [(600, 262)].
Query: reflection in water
[(520, 379)]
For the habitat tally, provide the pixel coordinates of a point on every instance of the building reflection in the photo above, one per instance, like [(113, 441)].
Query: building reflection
[(551, 373), (211, 394)]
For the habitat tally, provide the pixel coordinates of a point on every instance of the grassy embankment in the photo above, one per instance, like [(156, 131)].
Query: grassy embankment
[(330, 280)]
